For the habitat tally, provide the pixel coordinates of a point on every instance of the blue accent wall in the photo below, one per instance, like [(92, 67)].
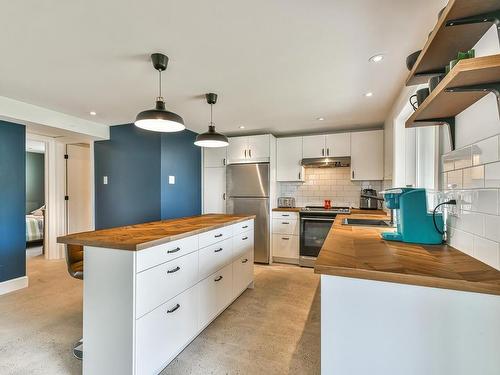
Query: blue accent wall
[(131, 159), (12, 201), (182, 159), (138, 163)]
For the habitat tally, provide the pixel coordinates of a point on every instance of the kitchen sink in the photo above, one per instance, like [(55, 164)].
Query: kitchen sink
[(366, 222)]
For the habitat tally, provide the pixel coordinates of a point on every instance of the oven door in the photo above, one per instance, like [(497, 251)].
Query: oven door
[(313, 232)]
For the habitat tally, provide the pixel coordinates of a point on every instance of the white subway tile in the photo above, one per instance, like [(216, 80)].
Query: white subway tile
[(492, 175), (492, 227), (454, 180), (471, 222), (462, 157), (485, 201), (473, 177), (485, 151), (448, 162), (487, 251), (460, 240)]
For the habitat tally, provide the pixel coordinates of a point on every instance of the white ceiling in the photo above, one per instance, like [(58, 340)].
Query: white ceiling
[(276, 65)]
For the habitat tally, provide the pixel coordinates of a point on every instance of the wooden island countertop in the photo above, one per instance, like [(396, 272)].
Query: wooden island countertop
[(360, 252), (141, 236)]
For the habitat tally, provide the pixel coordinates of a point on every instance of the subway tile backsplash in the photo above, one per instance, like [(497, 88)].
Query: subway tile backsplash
[(471, 175), (327, 183)]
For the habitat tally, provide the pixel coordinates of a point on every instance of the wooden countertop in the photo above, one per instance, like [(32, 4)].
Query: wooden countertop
[(353, 210), (360, 252), (288, 209), (141, 236)]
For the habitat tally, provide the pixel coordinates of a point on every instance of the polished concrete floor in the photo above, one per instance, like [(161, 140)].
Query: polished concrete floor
[(272, 329)]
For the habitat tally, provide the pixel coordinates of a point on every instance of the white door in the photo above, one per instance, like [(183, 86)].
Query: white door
[(258, 147), (367, 155), (289, 156), (237, 151), (313, 146), (79, 192), (338, 144), (214, 156), (214, 189)]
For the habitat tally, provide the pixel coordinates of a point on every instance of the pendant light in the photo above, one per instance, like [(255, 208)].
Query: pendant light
[(159, 119), (211, 138)]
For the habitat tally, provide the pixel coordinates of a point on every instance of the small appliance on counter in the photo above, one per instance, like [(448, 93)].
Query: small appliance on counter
[(286, 202), (368, 199), (414, 223)]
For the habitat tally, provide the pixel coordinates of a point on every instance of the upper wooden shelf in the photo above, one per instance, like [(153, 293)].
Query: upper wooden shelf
[(446, 41), (443, 103)]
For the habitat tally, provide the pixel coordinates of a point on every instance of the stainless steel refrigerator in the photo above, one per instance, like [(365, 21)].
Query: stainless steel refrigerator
[(247, 189)]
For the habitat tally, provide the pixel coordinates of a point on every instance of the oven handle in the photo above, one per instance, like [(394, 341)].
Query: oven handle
[(316, 219)]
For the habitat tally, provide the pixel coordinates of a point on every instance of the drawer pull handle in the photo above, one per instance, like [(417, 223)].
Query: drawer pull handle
[(285, 238), (285, 215), (285, 222), (174, 270), (219, 278), (244, 238), (173, 250), (245, 226), (218, 235), (244, 260), (219, 249), (173, 309)]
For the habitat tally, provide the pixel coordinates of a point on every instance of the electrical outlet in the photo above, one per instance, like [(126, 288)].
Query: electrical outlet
[(105, 180), (171, 180)]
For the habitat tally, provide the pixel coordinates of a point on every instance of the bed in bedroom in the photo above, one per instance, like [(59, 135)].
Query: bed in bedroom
[(35, 224)]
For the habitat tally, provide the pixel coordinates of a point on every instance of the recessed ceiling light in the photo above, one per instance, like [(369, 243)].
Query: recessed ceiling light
[(369, 94), (92, 113), (241, 126), (376, 58), (320, 119)]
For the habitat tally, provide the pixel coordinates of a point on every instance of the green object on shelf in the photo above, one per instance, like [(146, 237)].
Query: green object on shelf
[(471, 53)]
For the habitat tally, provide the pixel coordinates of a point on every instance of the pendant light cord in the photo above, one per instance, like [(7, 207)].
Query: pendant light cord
[(159, 81), (211, 114)]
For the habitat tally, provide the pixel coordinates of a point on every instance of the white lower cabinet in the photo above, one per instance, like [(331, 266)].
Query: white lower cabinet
[(164, 330), (214, 257), (286, 243), (242, 272), (286, 246), (242, 242), (215, 293)]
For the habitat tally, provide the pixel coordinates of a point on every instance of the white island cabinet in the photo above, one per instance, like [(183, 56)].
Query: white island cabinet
[(142, 306)]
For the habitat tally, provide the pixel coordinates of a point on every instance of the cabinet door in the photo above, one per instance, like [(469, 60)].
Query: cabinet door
[(286, 246), (214, 156), (367, 155), (214, 189), (289, 156), (237, 151), (258, 147), (338, 144), (242, 272), (313, 146), (215, 293)]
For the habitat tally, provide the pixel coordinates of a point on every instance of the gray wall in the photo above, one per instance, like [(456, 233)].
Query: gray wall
[(35, 181)]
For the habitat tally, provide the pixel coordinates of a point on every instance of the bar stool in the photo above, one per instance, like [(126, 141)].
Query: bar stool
[(74, 260)]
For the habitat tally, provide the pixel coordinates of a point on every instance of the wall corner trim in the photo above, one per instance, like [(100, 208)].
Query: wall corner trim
[(13, 285)]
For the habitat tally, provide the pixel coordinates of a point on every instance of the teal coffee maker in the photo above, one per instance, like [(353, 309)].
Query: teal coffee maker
[(414, 223)]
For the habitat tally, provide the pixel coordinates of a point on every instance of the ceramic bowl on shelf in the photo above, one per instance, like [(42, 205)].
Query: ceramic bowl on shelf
[(434, 81), (412, 59)]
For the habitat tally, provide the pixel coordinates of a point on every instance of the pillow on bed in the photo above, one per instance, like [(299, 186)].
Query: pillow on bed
[(38, 211)]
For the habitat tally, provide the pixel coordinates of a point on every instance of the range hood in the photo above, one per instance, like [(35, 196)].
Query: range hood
[(328, 162)]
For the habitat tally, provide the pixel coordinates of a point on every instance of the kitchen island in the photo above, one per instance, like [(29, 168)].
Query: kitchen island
[(150, 289), (398, 308)]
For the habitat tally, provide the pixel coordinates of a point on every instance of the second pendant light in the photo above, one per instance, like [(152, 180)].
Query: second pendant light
[(211, 138)]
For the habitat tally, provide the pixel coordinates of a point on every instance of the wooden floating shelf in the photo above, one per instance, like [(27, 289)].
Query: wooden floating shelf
[(469, 81), (446, 41)]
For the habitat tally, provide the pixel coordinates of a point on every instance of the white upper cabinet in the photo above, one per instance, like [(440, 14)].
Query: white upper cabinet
[(214, 190), (253, 148), (289, 156), (367, 155), (338, 145), (214, 157), (313, 146)]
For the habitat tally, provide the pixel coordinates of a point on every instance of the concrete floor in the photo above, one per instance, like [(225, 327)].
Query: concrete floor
[(272, 329)]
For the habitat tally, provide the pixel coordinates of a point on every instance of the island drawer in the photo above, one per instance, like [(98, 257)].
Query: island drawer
[(245, 226), (156, 255), (242, 272), (165, 330), (159, 284), (214, 257), (216, 235), (242, 242)]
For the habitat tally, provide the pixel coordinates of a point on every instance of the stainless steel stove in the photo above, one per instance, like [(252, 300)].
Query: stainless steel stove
[(315, 223)]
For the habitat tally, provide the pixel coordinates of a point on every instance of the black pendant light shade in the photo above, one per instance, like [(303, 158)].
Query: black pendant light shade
[(211, 138), (159, 119)]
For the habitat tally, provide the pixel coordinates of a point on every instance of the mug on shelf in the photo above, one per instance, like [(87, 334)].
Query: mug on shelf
[(421, 95)]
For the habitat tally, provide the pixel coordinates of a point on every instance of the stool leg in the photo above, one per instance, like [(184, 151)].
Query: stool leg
[(78, 350)]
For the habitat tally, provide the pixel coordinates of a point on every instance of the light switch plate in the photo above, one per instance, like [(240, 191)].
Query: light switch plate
[(105, 180), (171, 180)]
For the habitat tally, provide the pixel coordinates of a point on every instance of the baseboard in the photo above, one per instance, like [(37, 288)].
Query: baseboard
[(14, 284), (286, 260)]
